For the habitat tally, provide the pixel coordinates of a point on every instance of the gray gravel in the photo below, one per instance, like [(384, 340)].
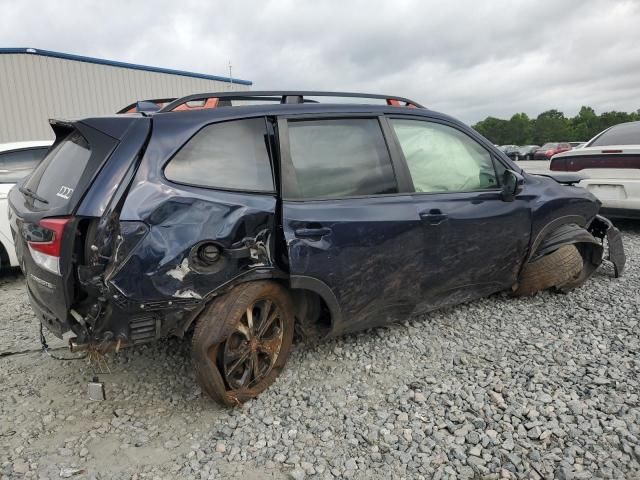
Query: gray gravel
[(542, 387)]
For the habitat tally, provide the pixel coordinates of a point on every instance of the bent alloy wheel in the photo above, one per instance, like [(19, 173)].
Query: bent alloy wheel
[(242, 341), (251, 351)]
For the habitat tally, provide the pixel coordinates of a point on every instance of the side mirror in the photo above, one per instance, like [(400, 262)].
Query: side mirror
[(512, 183)]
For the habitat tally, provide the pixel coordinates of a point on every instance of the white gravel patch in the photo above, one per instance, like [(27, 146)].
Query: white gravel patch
[(542, 387)]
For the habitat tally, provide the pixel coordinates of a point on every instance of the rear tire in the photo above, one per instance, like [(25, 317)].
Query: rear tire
[(4, 257), (558, 269), (242, 341)]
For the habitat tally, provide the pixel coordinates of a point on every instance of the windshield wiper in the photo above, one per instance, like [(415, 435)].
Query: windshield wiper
[(27, 192)]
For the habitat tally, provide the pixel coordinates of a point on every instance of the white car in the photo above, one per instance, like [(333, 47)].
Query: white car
[(611, 164), (17, 160)]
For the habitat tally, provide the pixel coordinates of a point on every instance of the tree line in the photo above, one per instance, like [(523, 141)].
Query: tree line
[(550, 126)]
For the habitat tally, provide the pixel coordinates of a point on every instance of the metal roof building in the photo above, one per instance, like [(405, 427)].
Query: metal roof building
[(36, 85)]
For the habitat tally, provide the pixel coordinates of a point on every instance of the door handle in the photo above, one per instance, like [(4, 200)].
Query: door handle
[(312, 232), (434, 216)]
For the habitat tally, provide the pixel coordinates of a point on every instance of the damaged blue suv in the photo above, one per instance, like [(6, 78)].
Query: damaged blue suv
[(242, 216)]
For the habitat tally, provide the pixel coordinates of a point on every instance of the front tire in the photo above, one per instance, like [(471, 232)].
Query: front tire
[(242, 341), (558, 269)]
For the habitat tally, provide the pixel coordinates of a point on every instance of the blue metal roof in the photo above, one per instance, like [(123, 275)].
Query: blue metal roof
[(112, 63)]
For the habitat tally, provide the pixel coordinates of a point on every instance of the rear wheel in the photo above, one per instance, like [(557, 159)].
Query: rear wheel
[(558, 269), (242, 341), (4, 257)]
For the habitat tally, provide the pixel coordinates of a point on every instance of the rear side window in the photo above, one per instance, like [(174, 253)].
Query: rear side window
[(623, 134), (230, 155), (57, 177), (340, 158), (16, 165)]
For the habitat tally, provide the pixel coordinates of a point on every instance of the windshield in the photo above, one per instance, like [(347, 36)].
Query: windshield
[(56, 178), (548, 146), (623, 134)]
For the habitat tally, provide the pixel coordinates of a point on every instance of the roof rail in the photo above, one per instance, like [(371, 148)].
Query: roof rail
[(282, 96)]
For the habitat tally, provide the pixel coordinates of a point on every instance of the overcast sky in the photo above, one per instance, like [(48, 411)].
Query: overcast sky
[(469, 59)]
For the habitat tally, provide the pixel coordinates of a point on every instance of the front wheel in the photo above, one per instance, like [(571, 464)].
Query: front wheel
[(242, 341), (559, 269)]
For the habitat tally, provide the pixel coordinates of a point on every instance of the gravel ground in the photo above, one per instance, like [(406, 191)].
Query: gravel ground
[(542, 387)]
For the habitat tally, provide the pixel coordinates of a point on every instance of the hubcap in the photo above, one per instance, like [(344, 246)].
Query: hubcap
[(252, 349)]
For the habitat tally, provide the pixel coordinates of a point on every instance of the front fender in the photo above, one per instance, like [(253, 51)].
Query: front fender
[(589, 242), (568, 234)]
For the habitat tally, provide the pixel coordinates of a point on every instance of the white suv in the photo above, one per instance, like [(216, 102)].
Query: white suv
[(17, 160)]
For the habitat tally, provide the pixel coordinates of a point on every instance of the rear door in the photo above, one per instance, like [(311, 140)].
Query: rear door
[(475, 241), (351, 233)]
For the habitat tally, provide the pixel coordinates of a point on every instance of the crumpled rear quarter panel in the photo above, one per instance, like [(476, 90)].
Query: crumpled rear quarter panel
[(180, 216), (158, 269)]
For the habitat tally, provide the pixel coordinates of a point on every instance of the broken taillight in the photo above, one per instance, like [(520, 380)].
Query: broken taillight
[(45, 243)]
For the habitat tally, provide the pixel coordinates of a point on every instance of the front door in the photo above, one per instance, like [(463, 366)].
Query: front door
[(475, 241), (348, 228)]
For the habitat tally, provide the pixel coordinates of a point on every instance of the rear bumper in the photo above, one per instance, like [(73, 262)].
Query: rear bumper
[(46, 318), (621, 213), (619, 197)]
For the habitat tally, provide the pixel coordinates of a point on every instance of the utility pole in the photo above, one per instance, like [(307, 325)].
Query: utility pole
[(230, 77)]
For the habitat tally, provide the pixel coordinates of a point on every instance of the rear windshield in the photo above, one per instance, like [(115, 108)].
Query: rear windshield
[(623, 134), (57, 176), (17, 164), (547, 146)]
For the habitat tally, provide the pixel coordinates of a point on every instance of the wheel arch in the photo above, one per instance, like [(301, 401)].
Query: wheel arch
[(4, 256), (544, 233), (569, 230), (302, 282)]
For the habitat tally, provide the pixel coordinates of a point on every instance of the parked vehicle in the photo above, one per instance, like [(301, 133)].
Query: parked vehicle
[(246, 221), (577, 144), (611, 164), (511, 151), (548, 150), (526, 152), (17, 160)]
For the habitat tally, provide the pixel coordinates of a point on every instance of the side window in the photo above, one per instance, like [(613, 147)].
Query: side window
[(443, 159), (340, 158), (230, 155), (16, 165)]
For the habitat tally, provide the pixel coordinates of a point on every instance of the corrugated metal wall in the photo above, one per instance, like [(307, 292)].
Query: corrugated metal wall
[(34, 88)]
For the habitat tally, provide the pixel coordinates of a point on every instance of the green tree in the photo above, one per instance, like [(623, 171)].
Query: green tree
[(584, 125), (519, 129), (550, 126), (495, 129)]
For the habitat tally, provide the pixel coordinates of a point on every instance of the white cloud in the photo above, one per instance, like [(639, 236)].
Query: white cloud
[(469, 59)]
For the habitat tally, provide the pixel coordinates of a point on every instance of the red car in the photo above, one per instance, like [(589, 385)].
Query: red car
[(548, 150)]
